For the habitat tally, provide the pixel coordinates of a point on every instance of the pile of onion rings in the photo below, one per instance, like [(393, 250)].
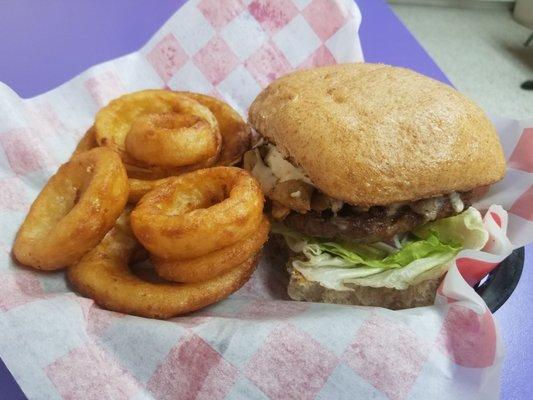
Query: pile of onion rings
[(138, 124), (104, 275), (201, 224), (161, 133), (199, 220), (214, 263)]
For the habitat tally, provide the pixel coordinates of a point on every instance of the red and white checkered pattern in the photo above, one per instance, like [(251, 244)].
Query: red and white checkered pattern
[(14, 195), (388, 355), (255, 344), (290, 364), (167, 57), (192, 370), (237, 47), (25, 151), (104, 378), (19, 287), (468, 338), (522, 206)]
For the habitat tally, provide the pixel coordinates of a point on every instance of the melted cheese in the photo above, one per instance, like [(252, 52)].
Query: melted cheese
[(263, 174), (336, 205), (283, 169), (276, 169), (428, 208), (457, 203)]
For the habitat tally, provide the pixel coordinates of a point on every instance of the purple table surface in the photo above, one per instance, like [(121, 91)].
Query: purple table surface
[(43, 44)]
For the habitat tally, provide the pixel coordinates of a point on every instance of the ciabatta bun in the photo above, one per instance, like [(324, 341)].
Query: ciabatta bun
[(372, 134)]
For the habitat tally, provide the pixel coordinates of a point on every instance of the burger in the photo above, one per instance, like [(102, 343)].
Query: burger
[(370, 173)]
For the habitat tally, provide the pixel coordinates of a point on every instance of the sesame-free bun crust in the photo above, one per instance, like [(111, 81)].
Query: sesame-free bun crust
[(372, 134)]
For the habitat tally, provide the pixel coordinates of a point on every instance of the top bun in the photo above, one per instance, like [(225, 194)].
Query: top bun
[(372, 134)]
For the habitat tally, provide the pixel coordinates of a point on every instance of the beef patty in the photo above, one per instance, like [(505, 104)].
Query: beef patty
[(371, 226)]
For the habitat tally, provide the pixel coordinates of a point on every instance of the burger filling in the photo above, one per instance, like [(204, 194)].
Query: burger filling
[(336, 243), (376, 223), (301, 206)]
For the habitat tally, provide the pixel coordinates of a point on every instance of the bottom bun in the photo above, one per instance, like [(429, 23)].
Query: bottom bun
[(419, 295)]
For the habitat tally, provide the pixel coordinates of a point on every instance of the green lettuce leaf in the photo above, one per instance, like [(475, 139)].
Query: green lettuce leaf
[(425, 253), (465, 229), (412, 250)]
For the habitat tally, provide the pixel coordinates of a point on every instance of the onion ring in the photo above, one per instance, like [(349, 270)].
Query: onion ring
[(74, 211), (213, 264), (153, 173), (236, 134), (103, 275), (199, 212), (144, 173), (139, 187), (170, 140), (87, 142), (114, 122)]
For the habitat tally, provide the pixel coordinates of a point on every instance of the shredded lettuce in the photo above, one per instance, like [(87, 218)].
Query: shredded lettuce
[(423, 254)]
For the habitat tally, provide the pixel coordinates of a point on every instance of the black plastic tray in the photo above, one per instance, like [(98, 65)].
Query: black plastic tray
[(501, 282)]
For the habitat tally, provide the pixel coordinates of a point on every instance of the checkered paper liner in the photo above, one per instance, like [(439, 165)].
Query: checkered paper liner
[(255, 344)]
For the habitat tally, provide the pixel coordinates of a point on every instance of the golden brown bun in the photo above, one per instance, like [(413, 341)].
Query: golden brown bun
[(419, 295), (372, 134)]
